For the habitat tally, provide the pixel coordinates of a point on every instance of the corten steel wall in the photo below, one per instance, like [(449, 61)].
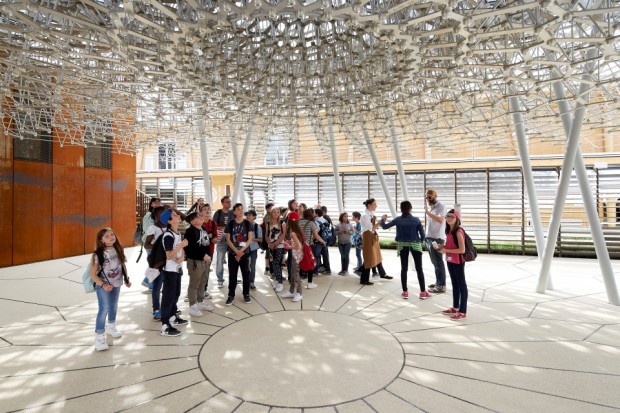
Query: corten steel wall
[(6, 199), (55, 210)]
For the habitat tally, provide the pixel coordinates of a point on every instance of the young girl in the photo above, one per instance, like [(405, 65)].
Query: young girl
[(108, 277), (294, 234), (275, 233), (211, 227), (344, 230), (311, 233), (454, 250), (409, 237), (357, 241)]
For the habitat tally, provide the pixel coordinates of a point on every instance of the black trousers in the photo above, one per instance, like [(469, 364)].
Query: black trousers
[(233, 268), (170, 295), (404, 267)]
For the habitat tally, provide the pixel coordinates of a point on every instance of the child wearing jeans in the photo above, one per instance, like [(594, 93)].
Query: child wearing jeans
[(357, 241), (172, 274), (108, 278)]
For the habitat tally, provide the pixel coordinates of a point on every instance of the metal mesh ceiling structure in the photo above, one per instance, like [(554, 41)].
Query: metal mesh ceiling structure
[(443, 70)]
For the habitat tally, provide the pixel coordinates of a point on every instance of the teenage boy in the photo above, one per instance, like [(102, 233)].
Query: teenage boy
[(221, 218), (254, 246), (172, 274), (198, 263), (239, 236)]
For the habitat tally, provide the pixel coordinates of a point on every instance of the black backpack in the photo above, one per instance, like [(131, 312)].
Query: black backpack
[(470, 253), (263, 244), (157, 257)]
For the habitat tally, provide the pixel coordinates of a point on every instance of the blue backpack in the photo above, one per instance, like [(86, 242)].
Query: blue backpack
[(89, 284), (326, 232)]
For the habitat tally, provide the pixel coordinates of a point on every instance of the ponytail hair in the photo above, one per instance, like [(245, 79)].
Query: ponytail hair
[(368, 202)]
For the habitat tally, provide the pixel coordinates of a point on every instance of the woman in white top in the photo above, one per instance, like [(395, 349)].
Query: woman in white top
[(370, 243)]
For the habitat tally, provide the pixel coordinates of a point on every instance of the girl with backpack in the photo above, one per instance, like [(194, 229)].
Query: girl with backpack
[(294, 234), (275, 234), (454, 249), (211, 227), (108, 277)]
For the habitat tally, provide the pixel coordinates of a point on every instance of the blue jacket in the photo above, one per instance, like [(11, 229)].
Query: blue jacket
[(408, 228)]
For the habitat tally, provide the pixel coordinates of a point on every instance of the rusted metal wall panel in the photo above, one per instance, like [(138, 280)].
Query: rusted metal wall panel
[(97, 204), (68, 211), (32, 204), (70, 155), (6, 212), (124, 205)]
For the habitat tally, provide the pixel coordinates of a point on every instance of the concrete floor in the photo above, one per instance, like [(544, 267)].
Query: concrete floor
[(344, 348)]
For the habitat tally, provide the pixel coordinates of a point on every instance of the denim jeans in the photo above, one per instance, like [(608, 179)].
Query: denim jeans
[(358, 255), (156, 292), (221, 250), (321, 251), (253, 258), (459, 286), (437, 260), (404, 267), (108, 304), (345, 250)]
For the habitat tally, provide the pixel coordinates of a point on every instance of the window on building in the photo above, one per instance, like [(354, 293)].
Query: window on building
[(167, 156), (36, 142), (98, 152)]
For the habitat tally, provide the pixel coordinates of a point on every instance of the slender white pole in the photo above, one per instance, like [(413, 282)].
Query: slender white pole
[(602, 253), (526, 166), (332, 144), (238, 189), (204, 158), (399, 161), (375, 161)]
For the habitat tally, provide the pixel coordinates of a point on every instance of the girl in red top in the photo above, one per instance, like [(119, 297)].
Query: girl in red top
[(456, 264)]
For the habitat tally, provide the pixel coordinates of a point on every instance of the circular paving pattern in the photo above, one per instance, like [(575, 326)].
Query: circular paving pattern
[(301, 358)]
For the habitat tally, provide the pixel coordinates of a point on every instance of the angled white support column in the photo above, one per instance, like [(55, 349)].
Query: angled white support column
[(238, 189), (204, 157), (332, 144), (235, 155), (572, 145), (526, 166), (375, 161), (602, 253), (399, 161)]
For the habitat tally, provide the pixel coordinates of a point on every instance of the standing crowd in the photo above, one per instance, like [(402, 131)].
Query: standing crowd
[(231, 236)]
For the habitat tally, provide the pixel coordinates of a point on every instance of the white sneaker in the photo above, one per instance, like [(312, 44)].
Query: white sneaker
[(297, 297), (205, 306), (113, 331), (311, 285), (287, 294), (194, 311), (279, 287), (100, 343), (207, 294)]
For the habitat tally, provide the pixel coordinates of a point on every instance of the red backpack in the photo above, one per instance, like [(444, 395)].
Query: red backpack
[(308, 262)]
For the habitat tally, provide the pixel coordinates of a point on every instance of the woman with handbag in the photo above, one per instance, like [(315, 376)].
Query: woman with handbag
[(370, 243)]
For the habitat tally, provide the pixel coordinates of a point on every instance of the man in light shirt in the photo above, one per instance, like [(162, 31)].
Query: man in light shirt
[(436, 232)]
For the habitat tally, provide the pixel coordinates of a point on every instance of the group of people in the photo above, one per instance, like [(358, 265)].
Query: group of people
[(232, 236)]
